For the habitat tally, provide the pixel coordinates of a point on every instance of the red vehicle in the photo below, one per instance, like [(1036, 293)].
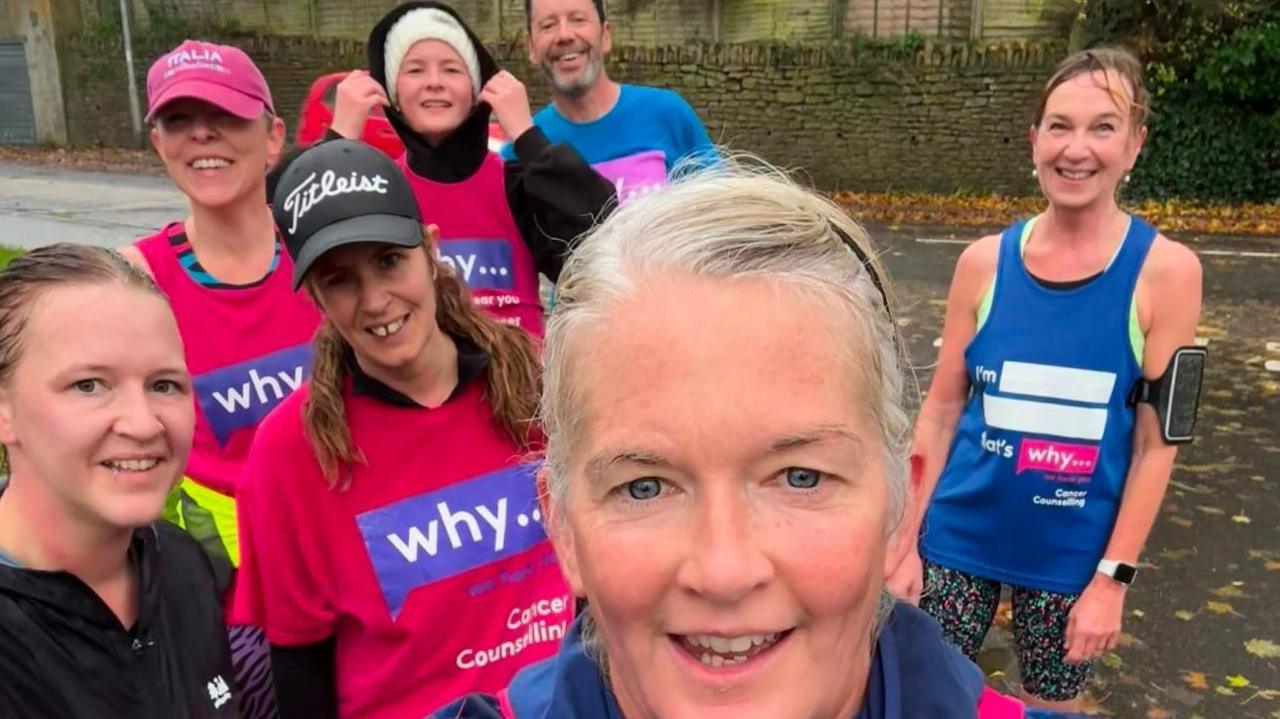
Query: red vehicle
[(317, 116)]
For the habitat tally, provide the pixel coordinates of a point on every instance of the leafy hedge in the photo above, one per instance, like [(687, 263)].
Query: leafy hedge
[(1214, 71), (1203, 147)]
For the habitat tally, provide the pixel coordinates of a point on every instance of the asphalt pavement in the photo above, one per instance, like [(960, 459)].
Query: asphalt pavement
[(42, 205), (1202, 628)]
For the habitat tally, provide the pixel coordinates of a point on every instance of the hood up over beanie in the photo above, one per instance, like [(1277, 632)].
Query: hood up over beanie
[(460, 154)]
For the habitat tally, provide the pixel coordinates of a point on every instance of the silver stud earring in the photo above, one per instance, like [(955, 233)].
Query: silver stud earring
[(1127, 177), (1035, 172)]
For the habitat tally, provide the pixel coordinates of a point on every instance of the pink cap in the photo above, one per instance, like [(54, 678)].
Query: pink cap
[(218, 74)]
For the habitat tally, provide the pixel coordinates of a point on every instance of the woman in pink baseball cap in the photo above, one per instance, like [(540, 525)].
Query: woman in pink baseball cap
[(246, 333)]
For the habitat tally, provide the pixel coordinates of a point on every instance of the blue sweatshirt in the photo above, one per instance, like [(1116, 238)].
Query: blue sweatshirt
[(636, 144), (914, 673)]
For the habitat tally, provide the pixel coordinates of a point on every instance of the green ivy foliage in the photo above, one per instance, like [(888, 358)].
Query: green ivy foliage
[(1204, 148), (1213, 67)]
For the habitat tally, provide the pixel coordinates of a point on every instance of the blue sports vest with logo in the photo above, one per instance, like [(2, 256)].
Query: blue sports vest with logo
[(1037, 467)]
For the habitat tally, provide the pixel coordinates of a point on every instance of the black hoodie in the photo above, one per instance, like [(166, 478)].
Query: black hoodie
[(64, 654), (554, 195)]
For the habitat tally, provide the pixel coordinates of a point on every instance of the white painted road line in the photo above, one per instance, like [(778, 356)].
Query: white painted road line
[(1272, 365), (1273, 346), (1239, 253), (1208, 253)]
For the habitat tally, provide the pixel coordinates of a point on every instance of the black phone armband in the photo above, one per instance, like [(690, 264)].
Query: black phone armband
[(1175, 395)]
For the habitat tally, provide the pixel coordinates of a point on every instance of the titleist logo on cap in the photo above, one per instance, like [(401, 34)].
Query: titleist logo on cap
[(311, 191)]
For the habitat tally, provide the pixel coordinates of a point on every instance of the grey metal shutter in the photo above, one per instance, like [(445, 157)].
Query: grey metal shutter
[(17, 120)]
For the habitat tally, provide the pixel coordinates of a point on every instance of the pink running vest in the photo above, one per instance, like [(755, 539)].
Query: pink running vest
[(247, 349), (480, 240)]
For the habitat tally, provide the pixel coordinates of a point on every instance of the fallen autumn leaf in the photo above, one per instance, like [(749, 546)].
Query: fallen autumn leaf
[(1195, 680), (1264, 648), (1219, 607), (1236, 681)]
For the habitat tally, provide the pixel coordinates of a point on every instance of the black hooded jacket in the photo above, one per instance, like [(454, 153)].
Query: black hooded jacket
[(554, 195), (64, 654)]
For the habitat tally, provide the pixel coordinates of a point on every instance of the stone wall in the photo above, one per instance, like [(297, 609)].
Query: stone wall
[(635, 22), (951, 117)]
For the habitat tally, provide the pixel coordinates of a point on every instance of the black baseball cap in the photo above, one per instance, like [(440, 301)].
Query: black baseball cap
[(339, 193)]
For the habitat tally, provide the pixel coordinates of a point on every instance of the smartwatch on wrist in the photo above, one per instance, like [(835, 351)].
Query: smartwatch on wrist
[(1119, 571)]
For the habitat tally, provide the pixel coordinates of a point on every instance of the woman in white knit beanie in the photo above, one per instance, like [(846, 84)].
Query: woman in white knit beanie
[(500, 225)]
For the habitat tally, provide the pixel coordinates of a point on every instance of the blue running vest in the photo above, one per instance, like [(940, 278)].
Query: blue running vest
[(1037, 467)]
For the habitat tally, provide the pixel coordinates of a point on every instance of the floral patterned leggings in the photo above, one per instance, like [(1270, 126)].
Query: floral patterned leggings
[(965, 606)]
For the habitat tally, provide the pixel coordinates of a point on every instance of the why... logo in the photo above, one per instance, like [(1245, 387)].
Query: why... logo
[(635, 174), (1061, 457), (243, 394), (484, 264), (441, 534)]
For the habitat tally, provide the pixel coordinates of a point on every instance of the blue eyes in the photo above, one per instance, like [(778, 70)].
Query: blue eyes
[(801, 478), (644, 488)]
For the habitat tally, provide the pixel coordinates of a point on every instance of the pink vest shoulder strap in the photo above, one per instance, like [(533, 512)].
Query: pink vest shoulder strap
[(994, 705), (504, 705)]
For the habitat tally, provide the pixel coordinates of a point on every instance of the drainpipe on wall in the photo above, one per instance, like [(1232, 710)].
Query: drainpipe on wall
[(838, 10), (135, 114), (976, 21)]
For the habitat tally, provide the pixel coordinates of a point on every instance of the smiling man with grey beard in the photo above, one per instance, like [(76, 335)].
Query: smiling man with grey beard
[(633, 135)]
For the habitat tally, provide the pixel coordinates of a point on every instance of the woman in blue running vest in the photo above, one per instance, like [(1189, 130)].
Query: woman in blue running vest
[(1041, 475)]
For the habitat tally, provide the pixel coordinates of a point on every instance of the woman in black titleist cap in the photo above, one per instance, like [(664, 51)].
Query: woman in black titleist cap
[(391, 543)]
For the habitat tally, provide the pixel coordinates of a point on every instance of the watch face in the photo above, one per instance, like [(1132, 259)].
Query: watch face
[(1125, 573)]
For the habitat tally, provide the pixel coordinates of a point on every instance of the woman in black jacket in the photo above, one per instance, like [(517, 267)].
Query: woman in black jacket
[(103, 611)]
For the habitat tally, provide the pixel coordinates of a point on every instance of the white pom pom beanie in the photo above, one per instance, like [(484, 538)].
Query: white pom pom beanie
[(427, 24)]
